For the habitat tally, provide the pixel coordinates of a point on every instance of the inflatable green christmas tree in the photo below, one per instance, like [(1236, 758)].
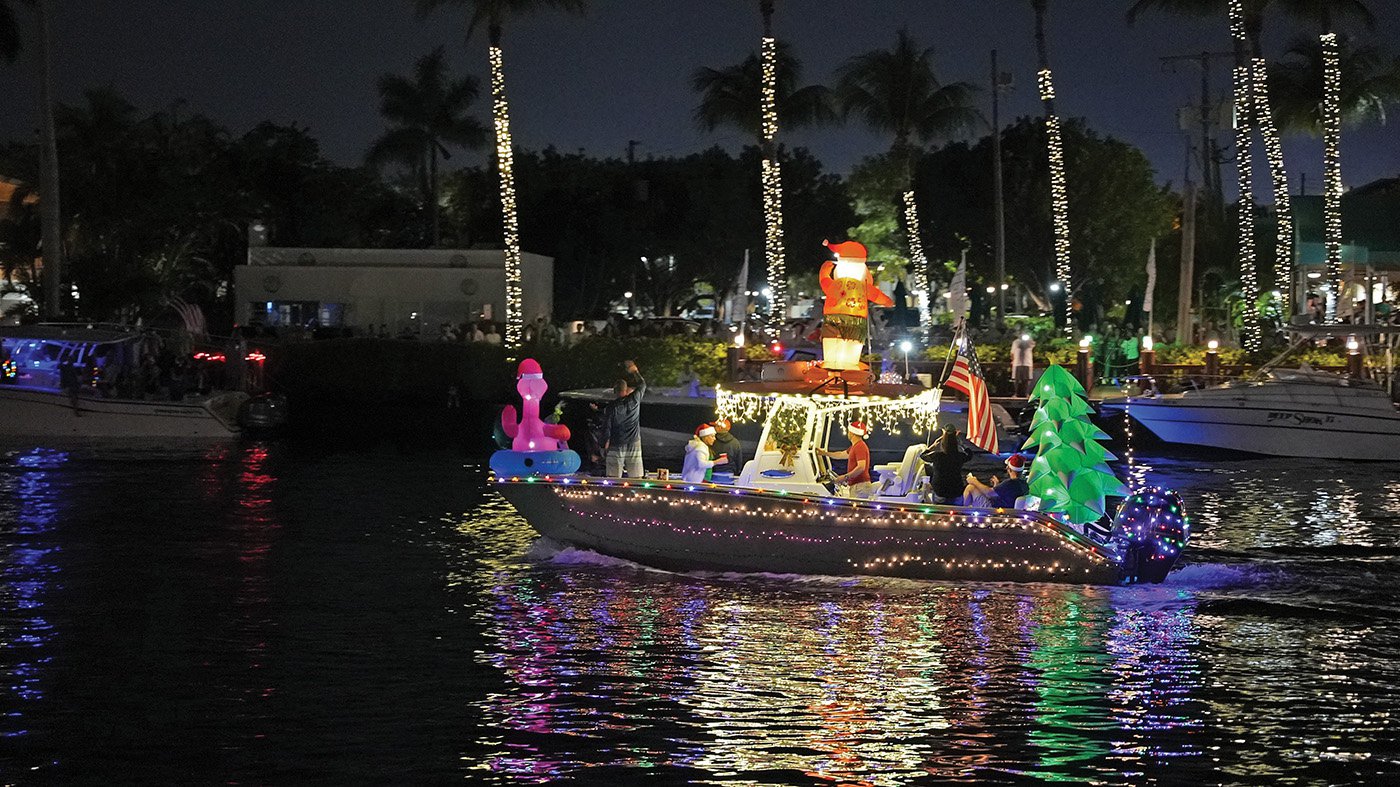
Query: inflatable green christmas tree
[(1070, 471)]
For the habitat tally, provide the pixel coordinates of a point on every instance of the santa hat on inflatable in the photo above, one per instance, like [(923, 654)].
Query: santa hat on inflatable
[(858, 428), (530, 370), (704, 430), (850, 251)]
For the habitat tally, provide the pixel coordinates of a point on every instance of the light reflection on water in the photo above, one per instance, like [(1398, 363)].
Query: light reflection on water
[(262, 614)]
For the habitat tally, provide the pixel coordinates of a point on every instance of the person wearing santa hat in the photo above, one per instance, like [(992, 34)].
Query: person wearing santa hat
[(998, 494), (697, 462), (727, 445), (857, 458)]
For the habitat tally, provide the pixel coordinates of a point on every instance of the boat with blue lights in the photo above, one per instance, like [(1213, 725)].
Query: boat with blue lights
[(67, 380), (783, 515)]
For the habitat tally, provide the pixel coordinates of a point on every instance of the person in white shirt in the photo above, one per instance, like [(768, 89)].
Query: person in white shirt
[(1022, 359), (697, 462)]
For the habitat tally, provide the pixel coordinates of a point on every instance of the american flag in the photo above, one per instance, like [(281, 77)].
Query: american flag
[(967, 377)]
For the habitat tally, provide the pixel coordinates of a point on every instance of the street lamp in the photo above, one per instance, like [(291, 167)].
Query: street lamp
[(1054, 286), (906, 346), (628, 296)]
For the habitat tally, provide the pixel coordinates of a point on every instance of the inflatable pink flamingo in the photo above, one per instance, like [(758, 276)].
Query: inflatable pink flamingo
[(531, 433)]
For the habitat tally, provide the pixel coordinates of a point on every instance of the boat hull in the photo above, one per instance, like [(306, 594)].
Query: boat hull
[(1272, 429), (42, 413), (715, 528)]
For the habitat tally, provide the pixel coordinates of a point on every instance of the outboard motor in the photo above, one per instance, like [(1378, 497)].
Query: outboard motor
[(1150, 531)]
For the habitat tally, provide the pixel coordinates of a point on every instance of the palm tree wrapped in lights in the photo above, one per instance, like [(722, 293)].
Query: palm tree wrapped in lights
[(897, 91), (493, 14), (1321, 86), (1059, 193), (753, 96)]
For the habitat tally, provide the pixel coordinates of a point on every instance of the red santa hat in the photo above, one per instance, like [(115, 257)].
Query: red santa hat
[(530, 370), (723, 423), (704, 430), (858, 428), (849, 250)]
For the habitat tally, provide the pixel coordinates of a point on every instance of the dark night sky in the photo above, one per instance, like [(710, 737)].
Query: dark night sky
[(622, 72)]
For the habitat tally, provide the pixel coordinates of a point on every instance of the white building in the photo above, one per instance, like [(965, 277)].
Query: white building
[(417, 289)]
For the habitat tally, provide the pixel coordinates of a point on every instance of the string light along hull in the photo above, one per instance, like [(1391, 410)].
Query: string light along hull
[(708, 527)]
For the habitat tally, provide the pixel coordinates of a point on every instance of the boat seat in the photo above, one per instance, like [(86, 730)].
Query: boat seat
[(898, 480), (1027, 503)]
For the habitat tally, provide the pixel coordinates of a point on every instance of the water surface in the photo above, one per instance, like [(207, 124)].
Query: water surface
[(257, 613)]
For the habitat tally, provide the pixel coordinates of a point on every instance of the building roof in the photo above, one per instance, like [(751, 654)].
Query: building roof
[(380, 258), (1370, 225)]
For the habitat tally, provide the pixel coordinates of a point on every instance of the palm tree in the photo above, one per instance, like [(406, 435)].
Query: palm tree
[(1370, 81), (1059, 194), (896, 91), (733, 96), (428, 114), (1246, 22), (1325, 13), (48, 148), (1364, 81), (493, 15), (772, 169)]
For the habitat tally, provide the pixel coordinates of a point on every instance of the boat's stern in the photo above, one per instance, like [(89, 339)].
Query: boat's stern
[(1150, 532)]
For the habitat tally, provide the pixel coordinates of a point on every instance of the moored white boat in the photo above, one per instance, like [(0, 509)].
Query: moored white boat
[(34, 402), (1299, 412)]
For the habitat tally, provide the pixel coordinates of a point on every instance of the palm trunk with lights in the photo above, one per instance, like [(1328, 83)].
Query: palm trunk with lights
[(1332, 170), (52, 228), (510, 223), (1059, 194), (917, 259), (1273, 151), (1244, 110), (772, 171)]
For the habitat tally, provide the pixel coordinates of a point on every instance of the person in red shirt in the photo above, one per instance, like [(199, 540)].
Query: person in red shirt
[(857, 460)]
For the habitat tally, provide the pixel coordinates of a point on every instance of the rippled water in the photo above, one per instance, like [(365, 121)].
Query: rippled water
[(267, 613)]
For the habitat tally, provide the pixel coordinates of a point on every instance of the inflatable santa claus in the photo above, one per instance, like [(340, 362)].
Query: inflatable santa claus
[(849, 288)]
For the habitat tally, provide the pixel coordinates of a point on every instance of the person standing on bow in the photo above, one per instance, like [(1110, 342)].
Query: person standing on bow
[(728, 445), (857, 460), (624, 417), (697, 464), (1022, 363)]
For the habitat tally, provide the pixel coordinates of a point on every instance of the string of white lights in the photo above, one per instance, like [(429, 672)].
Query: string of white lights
[(917, 258), (510, 222), (1332, 170), (1249, 283), (1059, 197), (1283, 208), (772, 183)]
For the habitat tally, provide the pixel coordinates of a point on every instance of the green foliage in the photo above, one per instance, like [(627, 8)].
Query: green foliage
[(1195, 354), (874, 185), (787, 426), (1070, 472), (1115, 206), (598, 217)]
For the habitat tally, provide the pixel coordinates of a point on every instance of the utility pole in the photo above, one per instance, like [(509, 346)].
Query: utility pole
[(998, 197), (1209, 175), (1188, 265), (632, 150)]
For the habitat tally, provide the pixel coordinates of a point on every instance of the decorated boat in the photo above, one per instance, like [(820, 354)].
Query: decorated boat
[(789, 512), (784, 514)]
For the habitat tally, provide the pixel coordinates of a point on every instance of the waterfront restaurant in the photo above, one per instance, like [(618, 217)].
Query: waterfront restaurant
[(407, 291)]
